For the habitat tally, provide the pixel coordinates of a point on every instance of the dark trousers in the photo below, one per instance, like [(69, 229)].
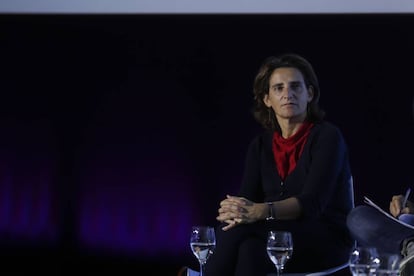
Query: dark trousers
[(241, 251), (371, 228)]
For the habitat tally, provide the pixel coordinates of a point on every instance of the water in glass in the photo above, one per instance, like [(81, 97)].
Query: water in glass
[(279, 248), (364, 261), (389, 265), (202, 243)]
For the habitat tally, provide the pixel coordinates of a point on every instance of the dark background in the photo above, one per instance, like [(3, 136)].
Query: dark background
[(119, 132)]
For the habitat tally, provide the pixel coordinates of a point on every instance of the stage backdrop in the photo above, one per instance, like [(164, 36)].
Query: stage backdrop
[(120, 132)]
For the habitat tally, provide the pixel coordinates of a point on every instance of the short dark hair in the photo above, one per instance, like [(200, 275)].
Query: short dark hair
[(265, 115)]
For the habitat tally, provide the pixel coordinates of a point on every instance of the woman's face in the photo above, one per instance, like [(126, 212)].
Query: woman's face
[(288, 95)]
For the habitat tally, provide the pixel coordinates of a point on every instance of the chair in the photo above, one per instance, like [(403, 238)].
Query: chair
[(407, 266)]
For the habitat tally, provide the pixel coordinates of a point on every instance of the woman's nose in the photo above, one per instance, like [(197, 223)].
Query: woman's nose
[(287, 93)]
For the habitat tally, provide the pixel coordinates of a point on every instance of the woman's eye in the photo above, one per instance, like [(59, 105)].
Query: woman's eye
[(295, 86)]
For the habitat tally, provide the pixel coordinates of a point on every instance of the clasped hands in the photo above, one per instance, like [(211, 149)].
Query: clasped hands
[(235, 210)]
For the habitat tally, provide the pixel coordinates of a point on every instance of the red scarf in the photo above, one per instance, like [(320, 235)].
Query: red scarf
[(287, 151)]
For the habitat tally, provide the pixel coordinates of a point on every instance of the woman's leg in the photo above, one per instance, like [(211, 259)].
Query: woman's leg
[(371, 228), (253, 258), (224, 258)]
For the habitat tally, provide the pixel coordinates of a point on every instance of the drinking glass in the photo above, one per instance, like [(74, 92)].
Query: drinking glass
[(389, 265), (202, 242), (279, 248), (364, 261)]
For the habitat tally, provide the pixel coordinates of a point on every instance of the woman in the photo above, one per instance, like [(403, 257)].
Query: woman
[(297, 177)]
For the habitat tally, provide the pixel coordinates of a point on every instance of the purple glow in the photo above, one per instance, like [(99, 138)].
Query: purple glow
[(27, 195), (136, 209), (5, 200), (26, 204)]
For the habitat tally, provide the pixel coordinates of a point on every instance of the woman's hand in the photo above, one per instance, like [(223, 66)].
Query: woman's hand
[(396, 207), (235, 210)]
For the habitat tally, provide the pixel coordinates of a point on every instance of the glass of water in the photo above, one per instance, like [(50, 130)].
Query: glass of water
[(202, 242), (364, 261), (279, 248), (389, 265)]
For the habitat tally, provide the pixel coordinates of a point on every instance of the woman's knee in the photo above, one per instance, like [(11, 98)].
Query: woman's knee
[(252, 258)]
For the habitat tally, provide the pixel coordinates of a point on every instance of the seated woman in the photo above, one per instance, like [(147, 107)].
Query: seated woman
[(297, 178)]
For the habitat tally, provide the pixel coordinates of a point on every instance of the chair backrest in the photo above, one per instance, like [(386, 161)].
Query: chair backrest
[(351, 182), (407, 266)]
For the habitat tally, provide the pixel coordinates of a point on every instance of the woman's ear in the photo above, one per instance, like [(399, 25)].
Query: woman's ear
[(266, 100), (311, 93)]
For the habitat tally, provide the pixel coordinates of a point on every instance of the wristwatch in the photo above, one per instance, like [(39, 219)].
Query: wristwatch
[(270, 214)]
